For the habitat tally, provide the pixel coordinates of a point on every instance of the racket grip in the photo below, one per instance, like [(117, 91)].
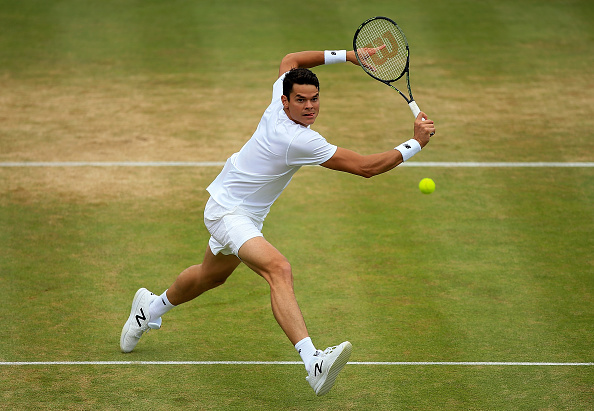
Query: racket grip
[(414, 108)]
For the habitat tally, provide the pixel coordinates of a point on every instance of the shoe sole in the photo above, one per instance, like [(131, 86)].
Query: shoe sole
[(135, 303), (335, 369)]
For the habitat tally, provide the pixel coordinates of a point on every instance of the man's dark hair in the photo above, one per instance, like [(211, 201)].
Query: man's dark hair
[(299, 76)]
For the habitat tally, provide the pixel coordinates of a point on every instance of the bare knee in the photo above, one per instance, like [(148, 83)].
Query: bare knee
[(279, 273), (213, 279), (195, 280), (215, 282)]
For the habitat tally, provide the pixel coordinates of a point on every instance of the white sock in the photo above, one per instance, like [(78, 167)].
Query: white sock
[(306, 350), (160, 306)]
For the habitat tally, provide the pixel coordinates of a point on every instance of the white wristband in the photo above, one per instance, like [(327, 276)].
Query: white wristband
[(408, 149), (334, 56)]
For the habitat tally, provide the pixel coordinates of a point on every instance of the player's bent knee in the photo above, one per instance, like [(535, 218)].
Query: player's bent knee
[(284, 273), (220, 278), (279, 272)]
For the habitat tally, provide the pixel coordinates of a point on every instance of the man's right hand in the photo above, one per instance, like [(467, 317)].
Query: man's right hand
[(424, 129)]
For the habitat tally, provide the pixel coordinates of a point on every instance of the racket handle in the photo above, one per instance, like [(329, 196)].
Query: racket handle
[(414, 108)]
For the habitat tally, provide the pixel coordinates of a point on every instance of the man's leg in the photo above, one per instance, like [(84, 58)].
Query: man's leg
[(147, 308), (263, 258), (322, 367), (195, 280)]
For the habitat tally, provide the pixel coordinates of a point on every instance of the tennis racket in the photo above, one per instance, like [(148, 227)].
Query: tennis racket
[(382, 51)]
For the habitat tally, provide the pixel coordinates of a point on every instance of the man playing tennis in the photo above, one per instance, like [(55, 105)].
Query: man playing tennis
[(241, 197)]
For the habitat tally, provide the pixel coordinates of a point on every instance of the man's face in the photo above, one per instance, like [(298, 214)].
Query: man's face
[(304, 105)]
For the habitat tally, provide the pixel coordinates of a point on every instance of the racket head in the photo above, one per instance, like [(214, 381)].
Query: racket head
[(388, 64)]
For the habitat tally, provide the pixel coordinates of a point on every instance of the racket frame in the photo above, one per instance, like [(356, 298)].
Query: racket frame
[(410, 100)]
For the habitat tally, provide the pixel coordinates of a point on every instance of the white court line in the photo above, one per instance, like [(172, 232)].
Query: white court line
[(466, 363), (112, 164), (220, 164), (496, 164)]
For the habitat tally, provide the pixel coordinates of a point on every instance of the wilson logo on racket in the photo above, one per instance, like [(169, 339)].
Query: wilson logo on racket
[(388, 52)]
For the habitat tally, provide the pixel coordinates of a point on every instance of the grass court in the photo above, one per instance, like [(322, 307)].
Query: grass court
[(495, 266)]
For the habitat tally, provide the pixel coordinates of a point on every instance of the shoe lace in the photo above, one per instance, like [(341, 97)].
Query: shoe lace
[(330, 349), (325, 352)]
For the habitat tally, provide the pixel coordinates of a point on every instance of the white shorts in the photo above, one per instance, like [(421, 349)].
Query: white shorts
[(229, 229)]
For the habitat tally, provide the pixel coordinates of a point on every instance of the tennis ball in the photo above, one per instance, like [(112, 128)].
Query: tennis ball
[(427, 186)]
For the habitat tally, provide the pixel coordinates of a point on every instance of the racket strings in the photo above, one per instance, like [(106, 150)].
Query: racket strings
[(389, 63)]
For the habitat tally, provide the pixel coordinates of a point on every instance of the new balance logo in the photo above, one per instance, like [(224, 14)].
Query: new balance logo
[(318, 368), (138, 318)]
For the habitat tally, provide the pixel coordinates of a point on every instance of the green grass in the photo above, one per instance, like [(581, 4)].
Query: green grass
[(496, 265), (477, 276)]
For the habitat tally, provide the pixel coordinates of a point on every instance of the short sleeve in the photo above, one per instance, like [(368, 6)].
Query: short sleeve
[(277, 88), (309, 148)]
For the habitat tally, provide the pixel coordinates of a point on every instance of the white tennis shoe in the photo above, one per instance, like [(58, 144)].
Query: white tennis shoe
[(326, 365), (139, 320)]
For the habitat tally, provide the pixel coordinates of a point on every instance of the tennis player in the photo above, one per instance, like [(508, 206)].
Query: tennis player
[(241, 197)]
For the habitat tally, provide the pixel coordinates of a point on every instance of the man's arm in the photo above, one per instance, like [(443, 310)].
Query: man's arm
[(374, 164), (309, 59), (364, 166)]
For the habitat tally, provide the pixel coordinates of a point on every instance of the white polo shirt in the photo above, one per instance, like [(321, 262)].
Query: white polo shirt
[(254, 178)]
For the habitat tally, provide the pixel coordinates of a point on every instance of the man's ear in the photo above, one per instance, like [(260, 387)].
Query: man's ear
[(285, 101)]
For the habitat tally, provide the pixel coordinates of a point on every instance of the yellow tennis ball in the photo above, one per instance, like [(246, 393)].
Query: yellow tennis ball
[(427, 186)]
